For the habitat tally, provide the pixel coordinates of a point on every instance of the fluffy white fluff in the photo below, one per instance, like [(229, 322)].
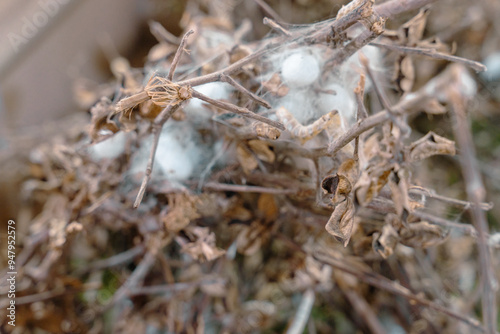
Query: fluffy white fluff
[(300, 69), (110, 148), (216, 90), (179, 154), (342, 101), (492, 62)]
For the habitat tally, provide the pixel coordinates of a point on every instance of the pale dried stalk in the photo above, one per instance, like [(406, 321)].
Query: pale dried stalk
[(245, 188), (363, 309), (133, 280), (303, 312), (476, 194), (178, 54), (235, 84), (162, 34), (238, 110), (156, 129), (465, 228), (453, 201), (432, 53), (268, 9), (276, 27)]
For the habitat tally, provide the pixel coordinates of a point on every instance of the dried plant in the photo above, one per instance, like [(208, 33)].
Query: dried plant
[(269, 195)]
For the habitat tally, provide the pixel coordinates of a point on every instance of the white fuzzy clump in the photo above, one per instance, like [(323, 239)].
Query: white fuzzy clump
[(492, 62), (179, 153), (300, 105), (351, 69), (300, 69), (195, 111), (110, 148), (336, 97)]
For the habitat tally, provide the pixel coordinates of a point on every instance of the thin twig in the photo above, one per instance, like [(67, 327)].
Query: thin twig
[(432, 53), (238, 110), (232, 82), (244, 188), (276, 27), (168, 288), (133, 280), (432, 194), (46, 295), (269, 11), (405, 129), (364, 310), (113, 261), (162, 34), (476, 194), (178, 54), (366, 124), (216, 76), (351, 48), (393, 8), (156, 129), (465, 228)]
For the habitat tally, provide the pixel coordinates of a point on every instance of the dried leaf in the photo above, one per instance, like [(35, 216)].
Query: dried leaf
[(385, 241), (429, 145), (246, 159), (262, 150), (204, 248), (370, 183), (412, 31), (433, 107), (341, 221), (181, 211), (398, 183), (249, 240), (100, 123), (404, 73)]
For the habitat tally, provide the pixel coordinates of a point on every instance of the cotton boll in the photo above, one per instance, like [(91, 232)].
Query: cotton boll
[(195, 110), (300, 69), (110, 148), (343, 101)]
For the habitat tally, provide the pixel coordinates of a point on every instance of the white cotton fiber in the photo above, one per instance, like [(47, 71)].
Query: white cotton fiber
[(180, 152), (195, 111), (352, 67), (300, 69), (342, 101), (492, 62), (110, 148), (300, 105)]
